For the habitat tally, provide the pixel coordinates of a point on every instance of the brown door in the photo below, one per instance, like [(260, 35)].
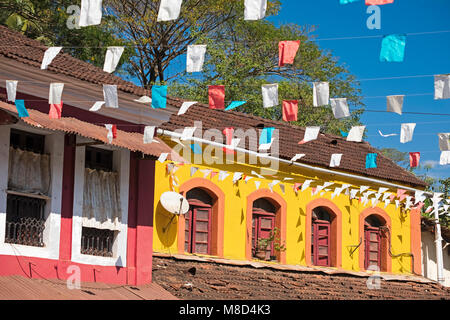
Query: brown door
[(372, 248), (198, 230)]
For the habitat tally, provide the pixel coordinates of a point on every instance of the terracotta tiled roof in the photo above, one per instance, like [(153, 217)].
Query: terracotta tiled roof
[(16, 46), (196, 280), (318, 152), (22, 288), (127, 140)]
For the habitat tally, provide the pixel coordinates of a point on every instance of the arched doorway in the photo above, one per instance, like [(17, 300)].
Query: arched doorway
[(263, 224), (321, 236), (374, 242), (198, 222)]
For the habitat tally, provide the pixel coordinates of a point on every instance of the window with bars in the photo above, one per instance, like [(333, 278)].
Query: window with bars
[(372, 242), (97, 242), (263, 224)]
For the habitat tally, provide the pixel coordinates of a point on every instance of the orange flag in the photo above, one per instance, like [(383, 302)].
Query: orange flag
[(287, 52), (216, 97), (55, 111), (378, 2), (290, 110)]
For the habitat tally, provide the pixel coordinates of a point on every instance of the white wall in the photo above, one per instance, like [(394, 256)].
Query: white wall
[(429, 268), (54, 144), (121, 163)]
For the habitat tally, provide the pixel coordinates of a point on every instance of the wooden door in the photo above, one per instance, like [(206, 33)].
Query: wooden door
[(372, 246), (198, 230), (262, 226)]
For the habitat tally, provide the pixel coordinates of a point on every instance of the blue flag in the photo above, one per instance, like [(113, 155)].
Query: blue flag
[(266, 135), (196, 148), (347, 1), (393, 48), (235, 104), (20, 105), (159, 97), (344, 134), (371, 160)]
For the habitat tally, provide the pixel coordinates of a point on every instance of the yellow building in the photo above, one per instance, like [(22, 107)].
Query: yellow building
[(344, 216)]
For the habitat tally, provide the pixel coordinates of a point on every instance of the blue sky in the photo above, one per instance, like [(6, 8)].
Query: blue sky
[(427, 54)]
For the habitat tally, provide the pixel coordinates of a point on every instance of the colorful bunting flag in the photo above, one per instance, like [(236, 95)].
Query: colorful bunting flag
[(91, 13), (356, 134), (196, 148), (444, 141), (344, 134), (185, 106), (11, 90), (237, 176), (347, 1), (149, 134), (188, 132), (255, 9), (257, 184), (335, 160), (195, 58), (159, 97), (49, 55), (20, 106), (321, 94), (442, 86), (414, 158), (97, 106), (445, 158), (311, 133), (340, 108), (228, 133), (297, 157), (387, 135), (266, 135), (55, 93), (290, 110), (306, 184), (287, 50), (223, 175), (371, 160), (110, 96), (217, 97), (407, 131), (235, 104), (378, 2), (163, 157), (193, 170), (112, 58), (270, 95), (169, 10), (395, 103), (143, 99), (112, 132), (393, 48), (55, 110)]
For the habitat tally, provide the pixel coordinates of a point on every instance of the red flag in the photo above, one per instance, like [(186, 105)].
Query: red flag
[(378, 2), (55, 111), (114, 131), (228, 132), (216, 97), (414, 158), (290, 110), (287, 52)]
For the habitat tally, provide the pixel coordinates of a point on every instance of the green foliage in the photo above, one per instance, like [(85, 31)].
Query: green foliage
[(274, 237)]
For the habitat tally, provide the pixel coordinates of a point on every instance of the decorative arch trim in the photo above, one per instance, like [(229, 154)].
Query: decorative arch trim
[(218, 212), (386, 261), (336, 231), (280, 219)]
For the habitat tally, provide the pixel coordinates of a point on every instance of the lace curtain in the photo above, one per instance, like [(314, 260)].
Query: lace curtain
[(28, 171), (101, 200)]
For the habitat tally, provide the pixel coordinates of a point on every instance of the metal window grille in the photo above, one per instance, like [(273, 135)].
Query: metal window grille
[(25, 221), (97, 242)]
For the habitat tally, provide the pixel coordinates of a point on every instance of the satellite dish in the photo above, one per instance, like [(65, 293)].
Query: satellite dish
[(174, 202)]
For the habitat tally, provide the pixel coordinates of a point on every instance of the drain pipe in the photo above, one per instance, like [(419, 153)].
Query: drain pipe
[(302, 165), (438, 241)]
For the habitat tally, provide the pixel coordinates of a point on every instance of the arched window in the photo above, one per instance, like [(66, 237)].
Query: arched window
[(263, 223), (321, 237), (198, 222), (373, 242)]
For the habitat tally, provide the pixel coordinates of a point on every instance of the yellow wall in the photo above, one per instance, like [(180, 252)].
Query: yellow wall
[(235, 214)]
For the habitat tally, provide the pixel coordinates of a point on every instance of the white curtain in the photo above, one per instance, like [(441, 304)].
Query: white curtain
[(101, 200), (28, 171)]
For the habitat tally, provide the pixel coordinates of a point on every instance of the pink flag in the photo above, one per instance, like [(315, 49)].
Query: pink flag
[(287, 52), (414, 158), (55, 111), (216, 97), (378, 2), (213, 174), (290, 110), (401, 194), (419, 206)]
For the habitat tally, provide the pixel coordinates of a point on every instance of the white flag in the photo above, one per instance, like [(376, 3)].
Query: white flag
[(273, 184), (188, 132), (407, 131), (387, 135), (395, 104), (335, 160), (340, 108), (163, 157), (386, 202), (149, 133), (363, 188), (112, 58), (270, 95), (442, 86), (237, 176), (55, 93), (169, 10), (110, 134), (419, 197), (356, 133), (382, 189), (110, 96), (11, 90), (297, 157), (311, 133), (255, 9), (97, 106), (195, 58), (321, 94), (206, 172), (397, 203), (353, 193), (337, 191), (193, 170), (306, 184), (257, 184), (257, 174), (282, 188), (444, 141), (49, 55), (144, 99), (185, 106), (248, 178), (386, 195), (91, 13), (445, 158)]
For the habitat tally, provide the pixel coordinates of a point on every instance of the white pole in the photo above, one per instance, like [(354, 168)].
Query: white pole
[(438, 241)]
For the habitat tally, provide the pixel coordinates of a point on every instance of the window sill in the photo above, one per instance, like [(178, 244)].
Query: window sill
[(30, 195)]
